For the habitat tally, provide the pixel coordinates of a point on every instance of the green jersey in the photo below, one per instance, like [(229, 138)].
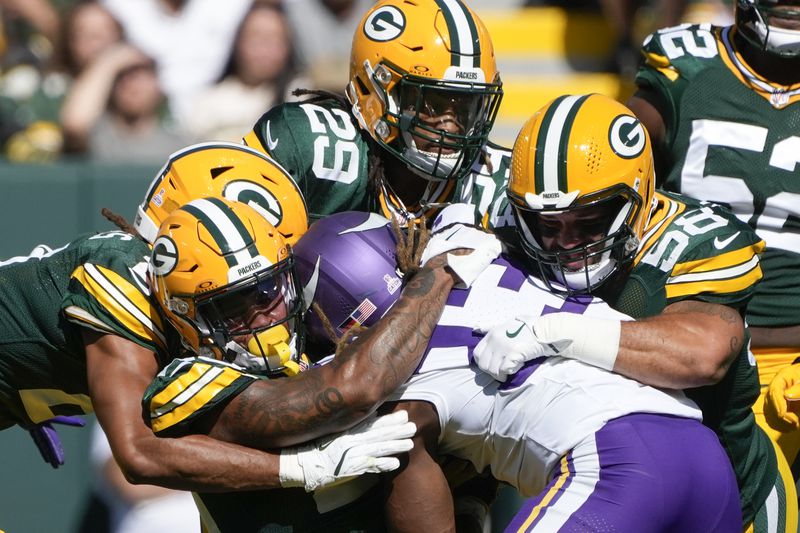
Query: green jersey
[(323, 148), (732, 137), (96, 281), (694, 250), (178, 400)]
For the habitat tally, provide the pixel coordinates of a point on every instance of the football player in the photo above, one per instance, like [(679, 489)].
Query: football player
[(237, 306), (722, 106), (559, 430), (582, 190), (225, 170), (82, 332), (412, 131)]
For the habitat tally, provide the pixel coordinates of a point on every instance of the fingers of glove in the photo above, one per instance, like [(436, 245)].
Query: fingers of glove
[(512, 364), (383, 448), (74, 421), (776, 398), (792, 392), (397, 418), (460, 236), (370, 465), (49, 445), (791, 418), (384, 433)]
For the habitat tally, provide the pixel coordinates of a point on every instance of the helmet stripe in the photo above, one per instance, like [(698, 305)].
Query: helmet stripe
[(465, 45), (553, 142), (226, 229)]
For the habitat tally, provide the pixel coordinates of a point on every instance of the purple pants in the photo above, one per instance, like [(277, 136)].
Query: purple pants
[(639, 473)]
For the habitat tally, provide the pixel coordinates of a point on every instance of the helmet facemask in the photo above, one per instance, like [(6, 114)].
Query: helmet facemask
[(755, 21), (603, 222), (436, 127), (257, 321)]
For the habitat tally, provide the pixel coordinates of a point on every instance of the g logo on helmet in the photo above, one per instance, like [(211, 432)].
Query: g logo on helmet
[(385, 24), (626, 136), (259, 198), (164, 257)]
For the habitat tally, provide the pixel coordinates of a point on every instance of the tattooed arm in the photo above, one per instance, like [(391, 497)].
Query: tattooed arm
[(282, 412), (690, 344)]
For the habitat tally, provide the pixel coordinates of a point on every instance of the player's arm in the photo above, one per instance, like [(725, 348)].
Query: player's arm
[(690, 344), (335, 396), (408, 508), (118, 372)]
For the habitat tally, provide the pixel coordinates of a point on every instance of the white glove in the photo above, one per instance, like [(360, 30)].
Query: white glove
[(507, 346), (365, 448), (450, 234)]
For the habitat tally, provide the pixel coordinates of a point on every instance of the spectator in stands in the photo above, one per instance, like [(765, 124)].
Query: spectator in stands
[(323, 31), (32, 95), (622, 15), (188, 39), (116, 111), (261, 72)]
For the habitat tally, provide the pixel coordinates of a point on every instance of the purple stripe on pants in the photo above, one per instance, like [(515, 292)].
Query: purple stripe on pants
[(656, 474)]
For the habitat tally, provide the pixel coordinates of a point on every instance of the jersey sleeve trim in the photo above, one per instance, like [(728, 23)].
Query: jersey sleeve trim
[(122, 299), (252, 140), (717, 262), (721, 281), (189, 393)]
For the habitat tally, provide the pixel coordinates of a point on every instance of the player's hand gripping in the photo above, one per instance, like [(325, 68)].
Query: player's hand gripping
[(365, 448), (784, 389), (507, 346), (454, 228)]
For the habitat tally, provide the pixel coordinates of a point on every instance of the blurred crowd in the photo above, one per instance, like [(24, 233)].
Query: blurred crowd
[(133, 80), (123, 81)]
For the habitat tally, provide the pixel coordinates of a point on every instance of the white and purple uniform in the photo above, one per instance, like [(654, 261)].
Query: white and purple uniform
[(601, 452)]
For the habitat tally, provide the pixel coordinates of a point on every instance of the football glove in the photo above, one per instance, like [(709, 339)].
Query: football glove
[(453, 229), (46, 438), (507, 346), (784, 394), (365, 448)]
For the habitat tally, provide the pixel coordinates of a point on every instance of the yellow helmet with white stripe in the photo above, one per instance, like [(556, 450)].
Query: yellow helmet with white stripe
[(582, 185), (226, 170), (424, 84), (225, 279)]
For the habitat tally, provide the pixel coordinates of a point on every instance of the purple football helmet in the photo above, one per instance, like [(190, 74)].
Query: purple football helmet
[(347, 264)]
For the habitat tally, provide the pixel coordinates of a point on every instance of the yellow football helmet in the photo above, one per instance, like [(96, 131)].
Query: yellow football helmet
[(229, 171), (582, 187), (424, 83), (225, 279), (770, 25)]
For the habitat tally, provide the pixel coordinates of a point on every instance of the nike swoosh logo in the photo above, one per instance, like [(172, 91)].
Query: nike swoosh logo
[(512, 334), (720, 244), (373, 221), (271, 143), (311, 287)]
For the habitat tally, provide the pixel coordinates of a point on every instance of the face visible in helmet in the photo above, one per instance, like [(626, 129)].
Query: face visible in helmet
[(225, 279), (424, 84), (581, 188), (772, 25), (229, 171)]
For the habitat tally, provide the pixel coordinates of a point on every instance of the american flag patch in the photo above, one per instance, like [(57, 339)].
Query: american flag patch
[(359, 315)]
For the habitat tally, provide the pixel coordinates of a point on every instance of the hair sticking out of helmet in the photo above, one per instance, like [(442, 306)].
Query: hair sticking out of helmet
[(226, 170), (582, 185), (225, 279), (771, 25), (348, 267), (424, 84)]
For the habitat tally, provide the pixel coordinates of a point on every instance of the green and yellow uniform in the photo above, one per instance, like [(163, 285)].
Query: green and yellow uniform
[(732, 137), (96, 281), (693, 250), (325, 151), (178, 401)]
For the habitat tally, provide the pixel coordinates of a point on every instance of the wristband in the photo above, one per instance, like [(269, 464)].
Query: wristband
[(594, 341), (291, 473)]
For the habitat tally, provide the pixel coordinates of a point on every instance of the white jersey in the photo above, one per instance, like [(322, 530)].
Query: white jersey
[(522, 427)]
